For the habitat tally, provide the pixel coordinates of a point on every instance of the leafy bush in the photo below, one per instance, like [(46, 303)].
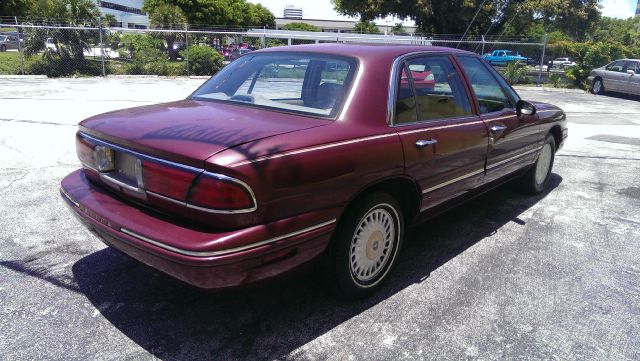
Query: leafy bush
[(555, 79), (203, 60), (57, 67), (514, 72)]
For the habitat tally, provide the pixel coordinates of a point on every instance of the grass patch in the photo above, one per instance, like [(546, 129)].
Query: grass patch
[(10, 62)]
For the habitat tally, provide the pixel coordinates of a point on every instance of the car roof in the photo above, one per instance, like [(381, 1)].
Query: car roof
[(364, 50)]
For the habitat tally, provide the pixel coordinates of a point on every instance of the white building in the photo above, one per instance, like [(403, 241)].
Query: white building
[(292, 12), (128, 13)]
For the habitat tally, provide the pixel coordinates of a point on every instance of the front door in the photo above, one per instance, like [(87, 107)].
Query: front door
[(513, 140), (632, 80), (444, 143)]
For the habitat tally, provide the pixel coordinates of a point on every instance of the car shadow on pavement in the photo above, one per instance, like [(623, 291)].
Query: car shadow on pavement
[(174, 321)]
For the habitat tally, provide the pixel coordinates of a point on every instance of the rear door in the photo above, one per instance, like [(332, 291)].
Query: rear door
[(513, 139), (444, 142), (632, 81)]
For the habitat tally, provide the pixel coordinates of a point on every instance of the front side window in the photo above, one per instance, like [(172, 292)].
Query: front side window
[(491, 95), (437, 87), (299, 83), (616, 66)]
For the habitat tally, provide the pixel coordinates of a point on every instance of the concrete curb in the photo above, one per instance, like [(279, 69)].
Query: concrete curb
[(23, 77), (550, 90)]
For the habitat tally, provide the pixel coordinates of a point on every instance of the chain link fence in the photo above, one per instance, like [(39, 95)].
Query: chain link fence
[(95, 50)]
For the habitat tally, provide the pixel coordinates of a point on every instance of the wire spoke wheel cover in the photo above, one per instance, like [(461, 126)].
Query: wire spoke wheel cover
[(544, 164), (373, 244)]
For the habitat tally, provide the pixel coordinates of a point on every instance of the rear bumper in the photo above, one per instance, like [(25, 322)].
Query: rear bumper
[(203, 258)]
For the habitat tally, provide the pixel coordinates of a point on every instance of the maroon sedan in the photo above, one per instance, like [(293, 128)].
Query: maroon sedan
[(306, 153)]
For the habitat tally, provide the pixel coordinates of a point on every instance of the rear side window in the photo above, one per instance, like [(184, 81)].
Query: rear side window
[(632, 65), (431, 87), (491, 94), (300, 83)]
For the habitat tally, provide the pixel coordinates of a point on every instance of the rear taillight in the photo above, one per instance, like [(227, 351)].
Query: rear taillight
[(219, 192), (84, 149), (95, 156), (166, 180)]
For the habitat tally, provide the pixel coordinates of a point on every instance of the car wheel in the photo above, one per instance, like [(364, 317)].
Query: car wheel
[(597, 87), (3, 47), (537, 177), (366, 245)]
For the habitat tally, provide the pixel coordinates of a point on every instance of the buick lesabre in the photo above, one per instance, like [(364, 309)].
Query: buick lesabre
[(312, 154)]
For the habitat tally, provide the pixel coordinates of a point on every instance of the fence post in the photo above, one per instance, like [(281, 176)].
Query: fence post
[(264, 37), (19, 47), (544, 48), (482, 45), (104, 73), (186, 43)]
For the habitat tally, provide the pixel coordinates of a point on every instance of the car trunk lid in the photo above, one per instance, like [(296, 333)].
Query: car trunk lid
[(190, 131)]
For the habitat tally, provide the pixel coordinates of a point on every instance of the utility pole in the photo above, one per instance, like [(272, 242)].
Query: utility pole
[(544, 48), (19, 46), (104, 73)]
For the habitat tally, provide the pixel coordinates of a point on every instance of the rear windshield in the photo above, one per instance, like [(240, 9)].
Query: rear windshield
[(299, 83)]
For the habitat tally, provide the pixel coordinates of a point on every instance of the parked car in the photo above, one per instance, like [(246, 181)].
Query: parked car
[(236, 53), (8, 42), (50, 45), (620, 76), (563, 63), (503, 57), (421, 75), (176, 47), (328, 160)]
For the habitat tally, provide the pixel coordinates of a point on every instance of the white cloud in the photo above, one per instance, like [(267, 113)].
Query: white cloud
[(621, 9)]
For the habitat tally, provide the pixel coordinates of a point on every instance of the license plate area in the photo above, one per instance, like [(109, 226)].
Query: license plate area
[(126, 169)]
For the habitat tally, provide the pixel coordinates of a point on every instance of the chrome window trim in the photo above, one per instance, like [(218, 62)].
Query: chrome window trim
[(225, 251), (451, 181), (393, 79), (198, 171)]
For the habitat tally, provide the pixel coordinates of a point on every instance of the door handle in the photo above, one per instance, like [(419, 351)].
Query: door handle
[(497, 128), (421, 143)]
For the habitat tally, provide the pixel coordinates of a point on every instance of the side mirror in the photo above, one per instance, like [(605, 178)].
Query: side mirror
[(631, 72), (525, 108)]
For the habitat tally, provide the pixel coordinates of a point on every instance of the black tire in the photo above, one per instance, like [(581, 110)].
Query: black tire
[(537, 177), (343, 267), (597, 87), (3, 47)]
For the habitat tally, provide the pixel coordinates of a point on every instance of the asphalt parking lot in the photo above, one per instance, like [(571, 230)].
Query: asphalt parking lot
[(555, 276)]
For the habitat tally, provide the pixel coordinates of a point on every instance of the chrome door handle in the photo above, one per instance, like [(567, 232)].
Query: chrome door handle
[(497, 128), (421, 143)]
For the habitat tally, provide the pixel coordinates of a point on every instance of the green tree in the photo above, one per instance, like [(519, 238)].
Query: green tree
[(166, 16), (219, 12), (301, 27), (203, 60), (15, 7), (366, 27), (574, 17), (70, 43), (398, 29)]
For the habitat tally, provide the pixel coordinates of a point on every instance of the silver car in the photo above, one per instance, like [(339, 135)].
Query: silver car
[(8, 42), (620, 76)]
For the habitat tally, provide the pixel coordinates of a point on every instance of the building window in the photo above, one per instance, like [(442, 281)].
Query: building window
[(108, 5)]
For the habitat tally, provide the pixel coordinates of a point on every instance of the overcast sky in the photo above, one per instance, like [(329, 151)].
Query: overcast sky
[(323, 9)]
